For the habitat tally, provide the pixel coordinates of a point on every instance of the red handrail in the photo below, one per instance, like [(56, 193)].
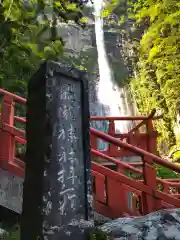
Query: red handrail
[(123, 165), (136, 150), (143, 140), (123, 118), (15, 97)]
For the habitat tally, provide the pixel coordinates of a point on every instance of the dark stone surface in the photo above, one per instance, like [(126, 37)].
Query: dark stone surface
[(99, 219), (57, 188), (160, 225), (11, 188)]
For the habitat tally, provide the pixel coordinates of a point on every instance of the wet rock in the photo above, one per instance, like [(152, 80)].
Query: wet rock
[(160, 225), (100, 219)]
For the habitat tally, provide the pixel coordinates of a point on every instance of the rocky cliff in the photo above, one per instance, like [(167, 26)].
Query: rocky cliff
[(81, 50), (161, 225)]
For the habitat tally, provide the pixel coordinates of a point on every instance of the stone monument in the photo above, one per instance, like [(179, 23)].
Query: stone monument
[(57, 200)]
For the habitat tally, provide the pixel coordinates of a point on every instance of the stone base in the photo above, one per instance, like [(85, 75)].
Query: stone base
[(11, 191)]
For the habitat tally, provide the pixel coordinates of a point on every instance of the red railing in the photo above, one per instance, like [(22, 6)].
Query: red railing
[(111, 188), (145, 140), (148, 196), (9, 134), (12, 135)]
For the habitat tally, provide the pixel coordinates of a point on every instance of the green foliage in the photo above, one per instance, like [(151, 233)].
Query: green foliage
[(157, 82), (176, 155), (98, 235), (14, 233), (28, 36), (165, 173)]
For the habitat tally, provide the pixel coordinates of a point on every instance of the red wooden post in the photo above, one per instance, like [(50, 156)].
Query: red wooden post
[(123, 190), (112, 148), (93, 141), (100, 187), (117, 200), (134, 201), (113, 196), (149, 202), (166, 188), (7, 140), (151, 145)]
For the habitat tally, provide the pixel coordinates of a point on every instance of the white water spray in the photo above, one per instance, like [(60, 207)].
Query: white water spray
[(109, 94)]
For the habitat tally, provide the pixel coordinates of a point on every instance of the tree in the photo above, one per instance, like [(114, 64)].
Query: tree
[(159, 60), (156, 84), (23, 26)]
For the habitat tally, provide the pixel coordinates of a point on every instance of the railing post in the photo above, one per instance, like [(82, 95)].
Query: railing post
[(149, 202), (166, 188), (93, 141), (150, 138), (123, 190), (112, 148), (6, 138)]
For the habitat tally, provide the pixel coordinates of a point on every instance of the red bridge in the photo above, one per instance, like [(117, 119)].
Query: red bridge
[(120, 188)]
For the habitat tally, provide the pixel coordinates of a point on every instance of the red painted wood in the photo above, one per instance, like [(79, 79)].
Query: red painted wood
[(13, 131), (7, 140), (137, 151), (111, 187), (14, 96), (117, 197), (112, 148), (151, 138), (15, 169), (103, 209), (150, 203), (99, 187), (121, 165)]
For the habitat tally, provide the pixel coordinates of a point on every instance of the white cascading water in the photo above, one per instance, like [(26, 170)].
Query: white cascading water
[(109, 94)]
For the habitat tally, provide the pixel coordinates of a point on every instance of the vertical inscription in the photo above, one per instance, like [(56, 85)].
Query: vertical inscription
[(68, 133), (68, 197)]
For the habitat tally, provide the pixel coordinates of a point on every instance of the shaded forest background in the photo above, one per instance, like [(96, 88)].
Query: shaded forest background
[(156, 51)]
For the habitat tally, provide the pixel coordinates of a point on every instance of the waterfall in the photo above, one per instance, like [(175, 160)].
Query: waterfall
[(109, 94), (106, 98)]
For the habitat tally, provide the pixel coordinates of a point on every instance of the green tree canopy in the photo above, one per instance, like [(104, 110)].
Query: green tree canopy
[(23, 36), (157, 81)]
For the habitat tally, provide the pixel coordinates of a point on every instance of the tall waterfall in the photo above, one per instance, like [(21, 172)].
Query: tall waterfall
[(100, 52), (109, 94)]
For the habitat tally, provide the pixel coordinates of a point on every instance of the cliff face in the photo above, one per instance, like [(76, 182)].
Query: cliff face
[(81, 50), (150, 36)]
